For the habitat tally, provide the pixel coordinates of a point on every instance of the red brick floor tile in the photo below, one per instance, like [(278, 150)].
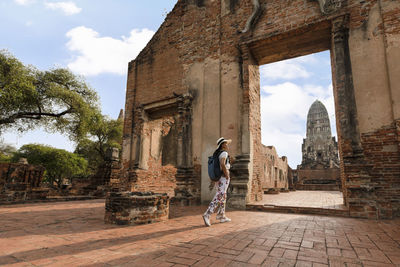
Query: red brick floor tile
[(258, 258), (271, 261), (269, 242), (180, 260), (241, 245), (348, 253), (304, 264), (221, 263), (395, 258), (307, 244), (287, 245), (242, 264), (376, 264), (191, 256), (334, 252), (290, 254), (277, 252), (206, 261), (244, 256)]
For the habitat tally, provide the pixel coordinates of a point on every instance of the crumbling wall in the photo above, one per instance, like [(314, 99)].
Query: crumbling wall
[(157, 163), (276, 171), (20, 182)]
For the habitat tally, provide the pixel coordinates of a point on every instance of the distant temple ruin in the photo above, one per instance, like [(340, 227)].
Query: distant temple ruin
[(319, 147), (319, 169)]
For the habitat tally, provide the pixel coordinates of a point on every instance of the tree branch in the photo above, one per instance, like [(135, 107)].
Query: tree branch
[(33, 115)]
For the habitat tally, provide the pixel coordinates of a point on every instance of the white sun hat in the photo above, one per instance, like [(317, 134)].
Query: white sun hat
[(222, 140)]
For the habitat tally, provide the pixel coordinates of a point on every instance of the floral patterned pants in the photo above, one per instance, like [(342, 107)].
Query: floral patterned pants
[(219, 198)]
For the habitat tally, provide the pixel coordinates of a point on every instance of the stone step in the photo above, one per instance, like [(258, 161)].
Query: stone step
[(298, 210)]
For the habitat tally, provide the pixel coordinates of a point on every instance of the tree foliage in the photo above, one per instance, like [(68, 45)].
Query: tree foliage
[(59, 163), (56, 100), (104, 133), (6, 152)]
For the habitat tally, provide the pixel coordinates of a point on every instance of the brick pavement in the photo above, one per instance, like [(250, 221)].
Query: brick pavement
[(73, 234), (302, 198)]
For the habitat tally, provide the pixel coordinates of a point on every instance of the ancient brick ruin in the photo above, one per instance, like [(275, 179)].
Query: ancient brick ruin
[(126, 208), (198, 80), (21, 182), (277, 173), (98, 184), (319, 169)]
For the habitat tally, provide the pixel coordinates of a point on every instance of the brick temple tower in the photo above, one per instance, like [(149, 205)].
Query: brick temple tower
[(319, 147), (319, 169)]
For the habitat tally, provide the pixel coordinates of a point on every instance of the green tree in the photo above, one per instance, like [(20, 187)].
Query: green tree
[(6, 152), (56, 100), (59, 163), (103, 133)]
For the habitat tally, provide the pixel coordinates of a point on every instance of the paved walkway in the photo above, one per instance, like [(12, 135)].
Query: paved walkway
[(73, 234), (311, 199)]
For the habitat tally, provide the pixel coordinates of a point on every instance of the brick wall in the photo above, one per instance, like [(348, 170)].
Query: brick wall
[(382, 153), (323, 179)]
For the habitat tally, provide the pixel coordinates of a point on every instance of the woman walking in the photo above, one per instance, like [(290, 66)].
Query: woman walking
[(222, 185)]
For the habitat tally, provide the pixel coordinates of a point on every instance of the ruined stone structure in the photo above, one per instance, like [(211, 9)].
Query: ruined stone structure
[(20, 182), (99, 183), (276, 171), (319, 146), (198, 80), (126, 208), (319, 169)]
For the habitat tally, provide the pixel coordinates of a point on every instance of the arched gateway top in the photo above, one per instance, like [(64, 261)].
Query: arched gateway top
[(198, 79)]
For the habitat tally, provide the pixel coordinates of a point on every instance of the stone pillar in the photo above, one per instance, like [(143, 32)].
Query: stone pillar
[(185, 187), (241, 168), (358, 189), (240, 174), (130, 176), (345, 99), (112, 167)]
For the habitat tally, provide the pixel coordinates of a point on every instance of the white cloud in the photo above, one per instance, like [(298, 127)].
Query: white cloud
[(288, 69), (69, 8), (24, 2), (94, 54), (284, 109), (28, 23)]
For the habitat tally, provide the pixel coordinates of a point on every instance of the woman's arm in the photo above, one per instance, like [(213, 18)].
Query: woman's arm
[(223, 167)]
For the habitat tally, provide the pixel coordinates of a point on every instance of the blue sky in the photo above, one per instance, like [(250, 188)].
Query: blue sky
[(96, 39)]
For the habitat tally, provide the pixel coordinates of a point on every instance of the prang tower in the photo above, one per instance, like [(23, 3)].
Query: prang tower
[(319, 147)]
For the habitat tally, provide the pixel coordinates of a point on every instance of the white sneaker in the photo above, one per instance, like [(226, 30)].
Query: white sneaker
[(224, 219), (206, 219)]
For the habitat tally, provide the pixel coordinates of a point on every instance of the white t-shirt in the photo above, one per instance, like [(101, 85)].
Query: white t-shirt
[(225, 155)]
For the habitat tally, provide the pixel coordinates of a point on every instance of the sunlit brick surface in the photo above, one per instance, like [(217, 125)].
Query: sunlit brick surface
[(74, 234), (312, 199)]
